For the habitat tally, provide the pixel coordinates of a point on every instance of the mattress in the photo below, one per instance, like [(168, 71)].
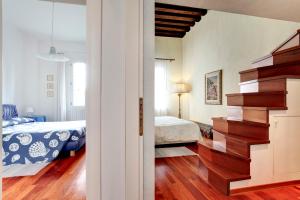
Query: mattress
[(170, 130)]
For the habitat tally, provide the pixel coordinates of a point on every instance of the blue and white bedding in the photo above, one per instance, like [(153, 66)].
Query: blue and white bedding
[(27, 142), (16, 121)]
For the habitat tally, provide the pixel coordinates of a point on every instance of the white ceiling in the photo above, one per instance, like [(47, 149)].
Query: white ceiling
[(276, 9), (34, 16)]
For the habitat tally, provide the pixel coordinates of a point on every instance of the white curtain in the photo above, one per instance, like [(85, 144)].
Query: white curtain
[(161, 90), (61, 92)]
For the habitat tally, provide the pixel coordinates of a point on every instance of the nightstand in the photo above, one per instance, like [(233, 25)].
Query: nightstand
[(38, 118)]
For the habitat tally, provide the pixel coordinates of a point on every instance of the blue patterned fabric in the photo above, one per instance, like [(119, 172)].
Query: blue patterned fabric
[(9, 111), (39, 142), (22, 120), (16, 121), (7, 123)]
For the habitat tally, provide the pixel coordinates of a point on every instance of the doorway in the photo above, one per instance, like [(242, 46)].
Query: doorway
[(101, 118), (43, 141)]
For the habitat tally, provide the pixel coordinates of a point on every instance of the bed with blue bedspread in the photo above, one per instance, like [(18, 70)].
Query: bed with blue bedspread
[(26, 141)]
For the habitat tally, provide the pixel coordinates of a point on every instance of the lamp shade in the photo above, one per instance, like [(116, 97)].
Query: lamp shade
[(53, 56), (29, 110), (181, 88)]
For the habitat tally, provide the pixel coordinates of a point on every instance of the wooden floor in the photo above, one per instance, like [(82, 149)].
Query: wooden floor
[(63, 179), (178, 178)]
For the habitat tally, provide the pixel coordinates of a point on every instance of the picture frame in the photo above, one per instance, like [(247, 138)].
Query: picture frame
[(50, 94), (50, 86), (213, 88), (50, 77)]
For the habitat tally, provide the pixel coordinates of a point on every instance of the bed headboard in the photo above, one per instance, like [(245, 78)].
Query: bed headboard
[(9, 111)]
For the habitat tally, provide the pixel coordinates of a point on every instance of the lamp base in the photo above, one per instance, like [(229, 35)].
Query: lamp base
[(179, 106)]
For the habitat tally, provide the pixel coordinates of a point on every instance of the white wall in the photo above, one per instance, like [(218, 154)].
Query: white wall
[(166, 47), (12, 63), (229, 42), (76, 51), (19, 68), (24, 76)]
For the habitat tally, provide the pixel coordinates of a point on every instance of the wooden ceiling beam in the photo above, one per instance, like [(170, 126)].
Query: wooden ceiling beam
[(170, 34), (181, 12), (179, 9), (173, 23), (159, 28), (164, 26), (195, 18), (175, 18)]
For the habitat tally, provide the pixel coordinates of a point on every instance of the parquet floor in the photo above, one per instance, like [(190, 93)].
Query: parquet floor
[(63, 179), (178, 178)]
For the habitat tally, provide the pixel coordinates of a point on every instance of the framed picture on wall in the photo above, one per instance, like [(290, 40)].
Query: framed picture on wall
[(213, 88)]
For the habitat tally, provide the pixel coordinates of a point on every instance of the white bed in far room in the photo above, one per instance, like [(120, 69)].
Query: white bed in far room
[(171, 130)]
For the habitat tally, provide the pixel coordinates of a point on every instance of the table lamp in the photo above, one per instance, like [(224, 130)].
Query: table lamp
[(29, 111)]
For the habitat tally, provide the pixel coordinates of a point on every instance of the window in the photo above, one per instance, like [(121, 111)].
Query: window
[(79, 84), (161, 87)]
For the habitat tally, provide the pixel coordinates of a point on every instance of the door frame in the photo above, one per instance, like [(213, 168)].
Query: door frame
[(108, 147), (1, 43), (149, 143)]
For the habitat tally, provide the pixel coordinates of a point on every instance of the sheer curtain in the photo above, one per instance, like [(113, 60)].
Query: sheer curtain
[(161, 91)]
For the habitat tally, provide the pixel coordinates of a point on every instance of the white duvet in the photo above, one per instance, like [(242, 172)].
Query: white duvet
[(170, 130)]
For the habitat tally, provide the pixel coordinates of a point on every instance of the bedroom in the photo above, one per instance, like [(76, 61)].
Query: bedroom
[(44, 82), (121, 169), (215, 49)]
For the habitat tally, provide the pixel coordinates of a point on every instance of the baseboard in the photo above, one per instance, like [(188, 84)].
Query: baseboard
[(266, 186)]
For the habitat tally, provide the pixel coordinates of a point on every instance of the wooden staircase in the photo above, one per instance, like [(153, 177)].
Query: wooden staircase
[(226, 158)]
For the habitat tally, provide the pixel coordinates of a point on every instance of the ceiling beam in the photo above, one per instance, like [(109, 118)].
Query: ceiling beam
[(195, 18), (175, 18), (185, 28), (182, 12), (180, 9), (170, 34), (173, 23), (160, 28)]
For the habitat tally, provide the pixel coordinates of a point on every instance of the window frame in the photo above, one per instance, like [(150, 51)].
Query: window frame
[(71, 85)]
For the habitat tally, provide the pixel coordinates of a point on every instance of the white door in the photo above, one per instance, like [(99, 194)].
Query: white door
[(114, 87)]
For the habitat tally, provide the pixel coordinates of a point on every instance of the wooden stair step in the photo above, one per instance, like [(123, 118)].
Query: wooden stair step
[(258, 99), (287, 55), (238, 144), (264, 85), (217, 154), (262, 89), (254, 114), (245, 140), (286, 70), (220, 177), (286, 52), (217, 146), (241, 128)]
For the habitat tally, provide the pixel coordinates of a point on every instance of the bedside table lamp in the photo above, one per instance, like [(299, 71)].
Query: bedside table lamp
[(181, 88), (29, 111)]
